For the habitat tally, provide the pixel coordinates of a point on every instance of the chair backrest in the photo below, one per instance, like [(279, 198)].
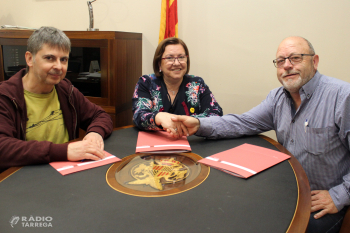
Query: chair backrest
[(345, 227)]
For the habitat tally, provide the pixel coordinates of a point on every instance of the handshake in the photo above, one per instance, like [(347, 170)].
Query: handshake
[(177, 125)]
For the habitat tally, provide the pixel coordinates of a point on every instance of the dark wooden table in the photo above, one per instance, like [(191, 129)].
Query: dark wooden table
[(275, 200)]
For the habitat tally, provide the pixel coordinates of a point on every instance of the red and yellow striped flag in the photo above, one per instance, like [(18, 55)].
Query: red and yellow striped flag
[(168, 20)]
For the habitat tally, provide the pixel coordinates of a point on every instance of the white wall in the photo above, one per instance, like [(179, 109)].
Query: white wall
[(232, 42)]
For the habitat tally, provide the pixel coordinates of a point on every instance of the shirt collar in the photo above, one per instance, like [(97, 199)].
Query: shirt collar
[(310, 87)]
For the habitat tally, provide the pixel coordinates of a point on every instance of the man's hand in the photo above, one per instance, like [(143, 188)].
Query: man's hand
[(191, 124), (86, 149), (96, 139), (321, 200), (176, 128)]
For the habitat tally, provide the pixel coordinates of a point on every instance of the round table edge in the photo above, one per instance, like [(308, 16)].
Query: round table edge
[(302, 211)]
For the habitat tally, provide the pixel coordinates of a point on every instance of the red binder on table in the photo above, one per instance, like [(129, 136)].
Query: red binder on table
[(245, 160), (68, 167), (160, 142)]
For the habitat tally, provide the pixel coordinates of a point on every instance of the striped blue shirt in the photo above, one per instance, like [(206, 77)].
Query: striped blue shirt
[(317, 134)]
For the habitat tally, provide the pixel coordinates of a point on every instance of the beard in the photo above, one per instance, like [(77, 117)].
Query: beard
[(293, 85)]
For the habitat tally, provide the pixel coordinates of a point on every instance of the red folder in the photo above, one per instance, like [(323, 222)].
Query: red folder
[(245, 160), (68, 167), (160, 142)]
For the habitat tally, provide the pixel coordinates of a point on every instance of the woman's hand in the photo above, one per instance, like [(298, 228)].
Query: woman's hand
[(176, 128), (190, 123)]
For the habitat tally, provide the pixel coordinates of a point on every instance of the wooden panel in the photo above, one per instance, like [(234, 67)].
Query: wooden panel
[(89, 43), (134, 69), (6, 41), (4, 33), (129, 65), (105, 76), (110, 35), (2, 78), (121, 71), (128, 36), (112, 61), (98, 100), (90, 34), (123, 117), (109, 109)]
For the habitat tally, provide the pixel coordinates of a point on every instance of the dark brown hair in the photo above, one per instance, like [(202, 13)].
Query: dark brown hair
[(160, 50)]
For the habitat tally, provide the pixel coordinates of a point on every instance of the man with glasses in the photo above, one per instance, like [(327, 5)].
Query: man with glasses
[(310, 115)]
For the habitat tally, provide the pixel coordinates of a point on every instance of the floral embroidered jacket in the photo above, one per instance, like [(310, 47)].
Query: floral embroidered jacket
[(151, 96)]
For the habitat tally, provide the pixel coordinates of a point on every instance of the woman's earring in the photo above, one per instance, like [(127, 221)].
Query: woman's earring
[(160, 70)]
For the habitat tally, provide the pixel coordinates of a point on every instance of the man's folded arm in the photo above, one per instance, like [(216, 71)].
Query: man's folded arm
[(93, 117), (16, 152)]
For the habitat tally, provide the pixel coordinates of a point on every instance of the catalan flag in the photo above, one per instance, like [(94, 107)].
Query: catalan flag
[(168, 20)]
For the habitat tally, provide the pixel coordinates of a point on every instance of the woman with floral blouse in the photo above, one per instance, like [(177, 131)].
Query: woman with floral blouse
[(170, 90)]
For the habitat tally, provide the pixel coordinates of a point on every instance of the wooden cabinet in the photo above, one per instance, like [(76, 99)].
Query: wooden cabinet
[(119, 60)]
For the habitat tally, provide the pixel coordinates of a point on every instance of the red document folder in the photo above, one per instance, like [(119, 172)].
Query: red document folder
[(68, 167), (245, 160), (160, 142)]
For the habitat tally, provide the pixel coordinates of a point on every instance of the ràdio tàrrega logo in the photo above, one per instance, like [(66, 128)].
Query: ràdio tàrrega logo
[(37, 221)]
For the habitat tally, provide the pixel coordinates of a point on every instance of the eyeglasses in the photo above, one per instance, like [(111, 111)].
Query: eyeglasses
[(171, 60), (294, 59)]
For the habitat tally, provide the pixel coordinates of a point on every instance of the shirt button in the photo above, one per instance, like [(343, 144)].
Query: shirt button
[(292, 141), (308, 96), (293, 121)]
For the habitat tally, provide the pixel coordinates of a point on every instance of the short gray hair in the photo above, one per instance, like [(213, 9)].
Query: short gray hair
[(51, 36), (311, 48)]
